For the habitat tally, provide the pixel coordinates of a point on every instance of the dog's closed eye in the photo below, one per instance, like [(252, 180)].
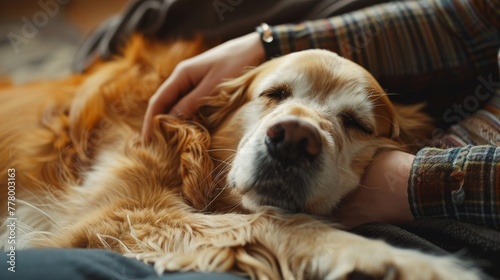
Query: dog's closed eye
[(278, 93), (351, 121)]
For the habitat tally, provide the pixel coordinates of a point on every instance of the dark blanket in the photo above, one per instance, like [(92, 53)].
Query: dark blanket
[(226, 19), (94, 264), (473, 243)]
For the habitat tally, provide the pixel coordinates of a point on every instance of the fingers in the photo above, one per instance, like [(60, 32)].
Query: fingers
[(167, 94), (190, 103)]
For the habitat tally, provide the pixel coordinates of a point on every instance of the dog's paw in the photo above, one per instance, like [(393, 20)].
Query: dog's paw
[(377, 260)]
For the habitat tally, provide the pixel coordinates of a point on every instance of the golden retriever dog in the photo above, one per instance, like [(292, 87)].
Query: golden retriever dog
[(207, 195)]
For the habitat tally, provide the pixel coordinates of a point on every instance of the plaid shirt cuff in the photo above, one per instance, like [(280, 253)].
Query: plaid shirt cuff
[(458, 183)]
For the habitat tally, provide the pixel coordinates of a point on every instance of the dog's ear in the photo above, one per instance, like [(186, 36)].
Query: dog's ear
[(414, 126), (402, 123), (187, 143), (385, 115), (228, 96)]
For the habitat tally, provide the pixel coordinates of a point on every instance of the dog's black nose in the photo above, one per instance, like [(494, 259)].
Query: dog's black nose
[(290, 140)]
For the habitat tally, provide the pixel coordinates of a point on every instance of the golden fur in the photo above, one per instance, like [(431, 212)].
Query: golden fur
[(85, 179)]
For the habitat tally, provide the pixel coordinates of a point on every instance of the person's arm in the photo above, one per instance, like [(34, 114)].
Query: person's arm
[(457, 183), (404, 39), (382, 195)]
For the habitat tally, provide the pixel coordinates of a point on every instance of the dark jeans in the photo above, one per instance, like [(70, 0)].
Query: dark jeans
[(76, 264)]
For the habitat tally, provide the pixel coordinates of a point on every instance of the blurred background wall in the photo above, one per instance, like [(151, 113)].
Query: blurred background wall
[(38, 38)]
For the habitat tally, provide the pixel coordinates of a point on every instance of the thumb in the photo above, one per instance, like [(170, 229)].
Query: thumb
[(163, 99), (190, 103)]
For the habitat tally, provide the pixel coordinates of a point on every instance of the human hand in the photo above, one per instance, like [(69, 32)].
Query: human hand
[(383, 192), (181, 93)]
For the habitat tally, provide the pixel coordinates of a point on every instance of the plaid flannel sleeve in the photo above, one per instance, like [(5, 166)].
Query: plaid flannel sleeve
[(458, 183), (405, 38)]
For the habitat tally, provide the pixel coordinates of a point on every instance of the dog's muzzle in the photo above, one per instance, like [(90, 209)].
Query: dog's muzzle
[(292, 141)]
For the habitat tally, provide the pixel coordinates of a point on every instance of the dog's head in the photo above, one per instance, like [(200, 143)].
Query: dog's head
[(298, 131)]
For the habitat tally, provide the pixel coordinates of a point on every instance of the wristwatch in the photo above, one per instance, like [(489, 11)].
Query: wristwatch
[(269, 41)]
